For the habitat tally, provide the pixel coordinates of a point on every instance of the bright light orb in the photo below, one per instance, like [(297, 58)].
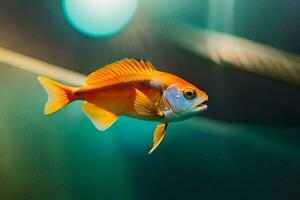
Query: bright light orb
[(98, 18)]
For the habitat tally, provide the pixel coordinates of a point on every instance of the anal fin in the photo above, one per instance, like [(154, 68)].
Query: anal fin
[(100, 117), (158, 136)]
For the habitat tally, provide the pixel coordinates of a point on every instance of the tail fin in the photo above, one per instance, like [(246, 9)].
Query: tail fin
[(59, 95)]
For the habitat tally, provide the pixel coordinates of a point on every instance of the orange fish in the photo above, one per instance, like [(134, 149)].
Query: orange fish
[(130, 88)]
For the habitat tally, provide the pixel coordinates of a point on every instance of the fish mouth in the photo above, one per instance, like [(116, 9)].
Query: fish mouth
[(200, 107)]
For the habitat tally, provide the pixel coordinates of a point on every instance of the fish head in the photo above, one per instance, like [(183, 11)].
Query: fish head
[(184, 101)]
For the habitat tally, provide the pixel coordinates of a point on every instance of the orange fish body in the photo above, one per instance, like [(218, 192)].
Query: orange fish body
[(118, 94), (129, 88)]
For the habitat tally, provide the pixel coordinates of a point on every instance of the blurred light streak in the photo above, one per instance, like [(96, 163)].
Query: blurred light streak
[(231, 51), (221, 15), (40, 67)]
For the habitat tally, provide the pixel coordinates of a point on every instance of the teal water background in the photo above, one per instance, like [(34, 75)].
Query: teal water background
[(63, 156)]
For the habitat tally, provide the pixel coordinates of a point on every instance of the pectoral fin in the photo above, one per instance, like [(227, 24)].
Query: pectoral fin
[(144, 106), (158, 136), (100, 117)]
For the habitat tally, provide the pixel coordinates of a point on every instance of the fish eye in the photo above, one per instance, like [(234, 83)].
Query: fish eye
[(189, 93)]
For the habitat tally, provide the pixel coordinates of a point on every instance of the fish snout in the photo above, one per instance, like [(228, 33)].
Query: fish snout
[(201, 104)]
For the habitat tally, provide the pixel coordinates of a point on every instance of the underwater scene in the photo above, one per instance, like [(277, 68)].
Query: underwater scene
[(138, 99)]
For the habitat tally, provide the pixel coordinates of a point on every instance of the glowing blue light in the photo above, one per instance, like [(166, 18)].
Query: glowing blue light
[(98, 18)]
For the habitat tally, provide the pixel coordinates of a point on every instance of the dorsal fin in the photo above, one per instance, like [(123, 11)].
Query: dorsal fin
[(123, 67)]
